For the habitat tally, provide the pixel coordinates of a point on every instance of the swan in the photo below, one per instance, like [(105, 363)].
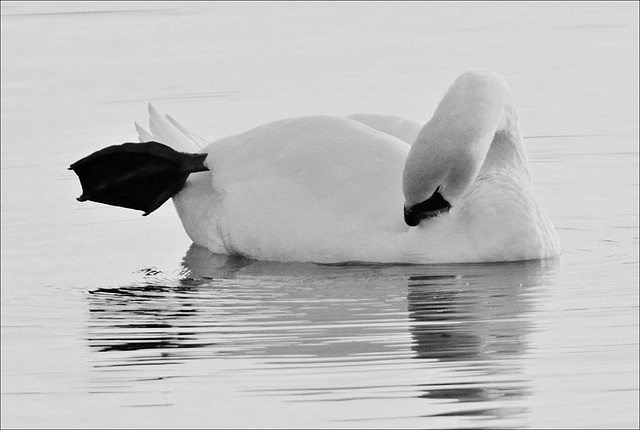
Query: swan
[(324, 189)]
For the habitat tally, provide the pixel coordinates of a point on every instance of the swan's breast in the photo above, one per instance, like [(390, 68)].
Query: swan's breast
[(503, 220)]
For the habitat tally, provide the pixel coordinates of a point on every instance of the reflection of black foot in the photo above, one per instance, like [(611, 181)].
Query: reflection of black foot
[(145, 316)]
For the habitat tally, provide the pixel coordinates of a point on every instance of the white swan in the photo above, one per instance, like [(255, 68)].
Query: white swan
[(328, 189)]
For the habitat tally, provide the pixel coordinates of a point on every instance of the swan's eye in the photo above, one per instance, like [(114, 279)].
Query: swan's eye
[(434, 205)]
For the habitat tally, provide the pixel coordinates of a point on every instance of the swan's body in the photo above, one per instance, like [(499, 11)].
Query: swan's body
[(329, 189)]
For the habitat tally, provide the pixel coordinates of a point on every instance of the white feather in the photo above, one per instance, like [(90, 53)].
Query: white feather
[(143, 135), (197, 140), (165, 132)]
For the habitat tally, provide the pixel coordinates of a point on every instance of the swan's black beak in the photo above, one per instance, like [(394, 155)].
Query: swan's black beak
[(434, 205), (411, 218)]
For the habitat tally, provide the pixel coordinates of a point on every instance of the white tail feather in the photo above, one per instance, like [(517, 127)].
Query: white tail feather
[(200, 142), (165, 132), (143, 135)]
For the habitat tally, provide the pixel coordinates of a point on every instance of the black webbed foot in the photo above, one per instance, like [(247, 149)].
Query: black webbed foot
[(135, 175)]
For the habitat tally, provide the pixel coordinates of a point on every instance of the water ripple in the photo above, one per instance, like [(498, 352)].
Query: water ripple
[(454, 333)]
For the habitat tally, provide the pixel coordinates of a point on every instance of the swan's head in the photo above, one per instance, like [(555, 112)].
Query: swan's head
[(451, 148)]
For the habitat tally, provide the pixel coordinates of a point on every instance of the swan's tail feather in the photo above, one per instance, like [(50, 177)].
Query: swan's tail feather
[(165, 132), (197, 140), (143, 135)]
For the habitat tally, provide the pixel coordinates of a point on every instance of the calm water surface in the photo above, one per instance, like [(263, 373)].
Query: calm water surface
[(110, 319)]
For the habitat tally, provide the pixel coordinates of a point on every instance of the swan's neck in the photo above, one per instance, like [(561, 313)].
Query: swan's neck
[(454, 145), (506, 150)]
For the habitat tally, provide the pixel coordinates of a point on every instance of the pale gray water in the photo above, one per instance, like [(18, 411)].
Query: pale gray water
[(110, 319)]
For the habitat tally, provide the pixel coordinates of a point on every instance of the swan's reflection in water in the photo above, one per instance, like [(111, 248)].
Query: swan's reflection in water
[(452, 334), (476, 319)]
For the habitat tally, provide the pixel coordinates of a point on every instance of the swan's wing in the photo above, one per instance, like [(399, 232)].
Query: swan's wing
[(404, 129), (307, 184)]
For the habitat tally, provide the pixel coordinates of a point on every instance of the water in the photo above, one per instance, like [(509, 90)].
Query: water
[(110, 319)]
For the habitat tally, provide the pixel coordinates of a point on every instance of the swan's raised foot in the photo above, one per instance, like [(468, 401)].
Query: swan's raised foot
[(138, 176)]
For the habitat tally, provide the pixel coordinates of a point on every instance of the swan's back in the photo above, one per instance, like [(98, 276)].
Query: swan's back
[(404, 129), (306, 186)]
